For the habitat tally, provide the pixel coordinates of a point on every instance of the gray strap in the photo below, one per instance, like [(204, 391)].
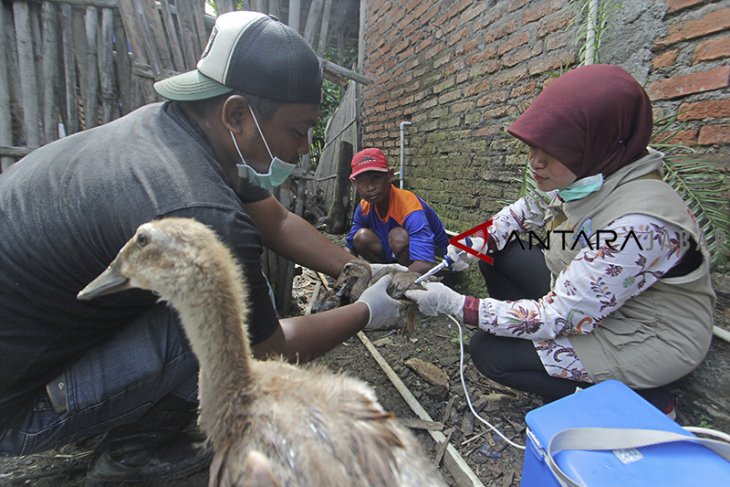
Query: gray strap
[(618, 439)]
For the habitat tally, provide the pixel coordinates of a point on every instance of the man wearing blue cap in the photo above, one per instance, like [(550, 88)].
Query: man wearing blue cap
[(232, 129)]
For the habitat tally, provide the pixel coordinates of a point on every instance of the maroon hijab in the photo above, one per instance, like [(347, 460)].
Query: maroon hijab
[(594, 119)]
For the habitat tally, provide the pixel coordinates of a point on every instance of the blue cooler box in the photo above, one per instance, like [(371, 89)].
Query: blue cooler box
[(611, 404)]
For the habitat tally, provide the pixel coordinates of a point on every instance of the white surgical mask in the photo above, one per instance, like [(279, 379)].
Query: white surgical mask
[(279, 170)]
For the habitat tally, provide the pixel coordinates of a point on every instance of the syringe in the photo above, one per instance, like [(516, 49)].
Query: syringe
[(443, 264)]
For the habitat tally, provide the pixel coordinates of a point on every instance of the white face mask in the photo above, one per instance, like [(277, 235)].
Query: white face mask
[(582, 188), (279, 170)]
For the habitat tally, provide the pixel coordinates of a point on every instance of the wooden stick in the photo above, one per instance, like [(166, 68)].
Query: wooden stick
[(324, 280), (315, 293), (442, 447), (421, 424)]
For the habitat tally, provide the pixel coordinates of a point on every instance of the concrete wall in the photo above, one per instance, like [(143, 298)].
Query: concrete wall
[(461, 71)]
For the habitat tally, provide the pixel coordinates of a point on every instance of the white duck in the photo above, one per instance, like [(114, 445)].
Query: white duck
[(268, 422)]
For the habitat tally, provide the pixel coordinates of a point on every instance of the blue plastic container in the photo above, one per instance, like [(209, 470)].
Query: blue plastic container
[(611, 404)]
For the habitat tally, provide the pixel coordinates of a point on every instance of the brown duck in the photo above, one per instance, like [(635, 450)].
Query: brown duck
[(268, 422)]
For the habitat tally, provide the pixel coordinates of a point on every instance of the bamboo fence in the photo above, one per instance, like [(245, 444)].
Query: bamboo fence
[(70, 65)]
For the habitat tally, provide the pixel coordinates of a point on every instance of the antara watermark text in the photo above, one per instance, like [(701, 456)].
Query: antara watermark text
[(570, 240)]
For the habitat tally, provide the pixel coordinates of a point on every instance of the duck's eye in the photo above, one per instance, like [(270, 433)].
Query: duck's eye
[(142, 239)]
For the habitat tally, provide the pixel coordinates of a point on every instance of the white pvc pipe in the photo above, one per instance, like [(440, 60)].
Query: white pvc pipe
[(591, 32), (721, 333), (402, 153)]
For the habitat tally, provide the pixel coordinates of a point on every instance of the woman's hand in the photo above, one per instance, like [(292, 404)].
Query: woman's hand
[(438, 299)]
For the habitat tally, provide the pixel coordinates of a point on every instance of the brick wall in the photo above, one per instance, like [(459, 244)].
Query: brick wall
[(461, 71), (690, 73)]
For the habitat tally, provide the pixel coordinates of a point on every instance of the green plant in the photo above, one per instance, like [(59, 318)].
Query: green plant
[(592, 24), (701, 185)]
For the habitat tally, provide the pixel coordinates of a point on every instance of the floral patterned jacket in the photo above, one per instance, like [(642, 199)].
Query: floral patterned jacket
[(597, 282)]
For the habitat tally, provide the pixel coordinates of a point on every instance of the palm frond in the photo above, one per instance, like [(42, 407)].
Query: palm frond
[(701, 184), (704, 188)]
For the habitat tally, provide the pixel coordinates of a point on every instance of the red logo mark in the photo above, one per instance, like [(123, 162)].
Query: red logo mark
[(482, 228)]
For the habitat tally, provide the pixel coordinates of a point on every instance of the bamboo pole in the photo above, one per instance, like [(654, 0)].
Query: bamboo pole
[(313, 17), (123, 67), (178, 62), (128, 13), (295, 13), (225, 6), (6, 128), (155, 39), (86, 3), (27, 74), (198, 11), (49, 14), (16, 152), (144, 29), (91, 81), (324, 28), (106, 64), (78, 22), (71, 119)]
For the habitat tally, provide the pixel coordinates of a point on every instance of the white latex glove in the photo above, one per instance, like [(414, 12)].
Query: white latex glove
[(462, 263), (381, 269), (438, 299), (384, 310)]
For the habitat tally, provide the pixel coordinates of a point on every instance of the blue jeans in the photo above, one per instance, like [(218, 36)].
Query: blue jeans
[(114, 383)]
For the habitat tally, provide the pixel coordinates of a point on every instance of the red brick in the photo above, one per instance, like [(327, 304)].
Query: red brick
[(716, 21), (517, 56), (472, 12), (515, 4), (714, 135), (558, 40), (514, 41), (676, 5), (526, 89), (493, 97), (679, 86), (685, 137), (540, 11), (497, 32), (554, 60), (665, 59), (552, 23), (700, 110), (712, 49)]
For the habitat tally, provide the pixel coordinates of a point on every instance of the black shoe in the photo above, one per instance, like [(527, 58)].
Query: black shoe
[(151, 451)]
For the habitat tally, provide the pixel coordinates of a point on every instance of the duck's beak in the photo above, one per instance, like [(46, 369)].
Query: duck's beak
[(108, 282)]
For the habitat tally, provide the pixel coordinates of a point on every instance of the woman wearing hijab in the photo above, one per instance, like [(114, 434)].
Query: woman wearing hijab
[(621, 289)]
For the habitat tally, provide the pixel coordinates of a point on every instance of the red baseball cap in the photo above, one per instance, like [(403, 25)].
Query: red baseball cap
[(370, 159)]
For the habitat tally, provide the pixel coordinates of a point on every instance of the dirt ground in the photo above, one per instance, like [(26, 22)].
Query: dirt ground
[(436, 342)]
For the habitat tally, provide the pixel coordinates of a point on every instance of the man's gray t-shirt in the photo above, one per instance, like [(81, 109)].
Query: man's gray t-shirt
[(68, 207)]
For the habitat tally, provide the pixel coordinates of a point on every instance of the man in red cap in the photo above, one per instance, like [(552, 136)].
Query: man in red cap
[(391, 224)]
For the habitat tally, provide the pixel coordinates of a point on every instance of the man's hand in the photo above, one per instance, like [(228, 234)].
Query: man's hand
[(438, 299), (462, 262), (384, 310)]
